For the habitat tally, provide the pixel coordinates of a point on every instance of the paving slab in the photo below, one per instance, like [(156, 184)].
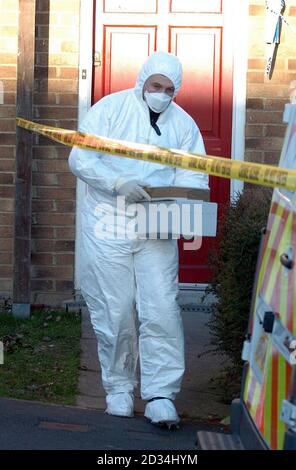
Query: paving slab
[(200, 397)]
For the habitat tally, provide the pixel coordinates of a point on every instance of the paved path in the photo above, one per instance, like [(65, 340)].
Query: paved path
[(199, 398)]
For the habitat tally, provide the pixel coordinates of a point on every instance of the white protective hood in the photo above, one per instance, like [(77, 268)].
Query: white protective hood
[(161, 63)]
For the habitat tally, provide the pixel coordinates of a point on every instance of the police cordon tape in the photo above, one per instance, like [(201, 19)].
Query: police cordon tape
[(256, 173)]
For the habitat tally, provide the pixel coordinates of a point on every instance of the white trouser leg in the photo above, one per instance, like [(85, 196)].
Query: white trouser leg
[(161, 340), (108, 286)]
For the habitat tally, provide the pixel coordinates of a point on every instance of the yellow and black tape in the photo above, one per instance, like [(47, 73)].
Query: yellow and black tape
[(256, 173)]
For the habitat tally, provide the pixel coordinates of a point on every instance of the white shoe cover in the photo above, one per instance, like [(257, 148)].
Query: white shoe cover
[(162, 411), (120, 404)]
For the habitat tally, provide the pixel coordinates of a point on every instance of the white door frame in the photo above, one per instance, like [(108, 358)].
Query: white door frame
[(240, 59)]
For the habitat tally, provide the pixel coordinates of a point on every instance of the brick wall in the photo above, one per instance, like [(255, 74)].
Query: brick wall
[(55, 103), (266, 98), (8, 55)]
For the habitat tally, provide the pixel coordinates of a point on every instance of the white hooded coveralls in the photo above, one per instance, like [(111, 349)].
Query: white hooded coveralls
[(121, 276)]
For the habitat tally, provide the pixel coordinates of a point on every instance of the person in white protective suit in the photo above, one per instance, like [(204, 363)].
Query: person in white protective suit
[(122, 277)]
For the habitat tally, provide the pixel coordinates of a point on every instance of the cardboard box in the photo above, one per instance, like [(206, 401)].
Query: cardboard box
[(178, 192)]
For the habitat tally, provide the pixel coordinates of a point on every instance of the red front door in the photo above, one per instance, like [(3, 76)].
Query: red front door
[(199, 33)]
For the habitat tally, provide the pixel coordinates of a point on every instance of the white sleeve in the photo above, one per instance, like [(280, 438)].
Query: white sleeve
[(193, 142), (87, 164)]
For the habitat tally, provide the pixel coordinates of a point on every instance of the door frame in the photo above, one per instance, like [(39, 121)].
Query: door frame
[(240, 60)]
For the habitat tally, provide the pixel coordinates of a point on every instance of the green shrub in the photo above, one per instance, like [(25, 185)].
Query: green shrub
[(233, 264)]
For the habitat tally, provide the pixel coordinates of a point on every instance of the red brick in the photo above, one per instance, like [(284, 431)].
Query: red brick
[(283, 78), (63, 152), (8, 58), (256, 10), (7, 111), (42, 259), (57, 85), (254, 131), (9, 98), (8, 71), (264, 117), (7, 152), (254, 156), (49, 179), (275, 104), (42, 232), (55, 112), (275, 131), (62, 233), (41, 45), (5, 258), (7, 139), (256, 77), (5, 271), (9, 85), (64, 286), (6, 231), (6, 192), (66, 180), (66, 206), (64, 246), (42, 31), (272, 157), (41, 58), (68, 124), (7, 165), (6, 218), (274, 143), (256, 64), (263, 90), (53, 166), (256, 144), (45, 72), (68, 72), (6, 286), (7, 125), (54, 272), (65, 259), (43, 246), (54, 193), (42, 152), (292, 64), (55, 219), (68, 99), (255, 103), (43, 206), (43, 6), (42, 286), (42, 18), (7, 205), (6, 244), (6, 178), (45, 98)]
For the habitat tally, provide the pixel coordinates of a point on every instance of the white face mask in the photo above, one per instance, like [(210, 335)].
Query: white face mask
[(158, 102)]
